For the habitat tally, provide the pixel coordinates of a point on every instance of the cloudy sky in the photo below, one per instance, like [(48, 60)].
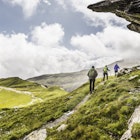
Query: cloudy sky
[(53, 36)]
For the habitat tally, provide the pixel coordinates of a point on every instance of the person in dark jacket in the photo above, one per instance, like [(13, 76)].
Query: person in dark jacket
[(116, 68), (92, 74)]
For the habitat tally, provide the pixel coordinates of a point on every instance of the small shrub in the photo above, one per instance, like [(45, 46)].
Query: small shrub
[(116, 128), (136, 131), (113, 84), (124, 110), (110, 110)]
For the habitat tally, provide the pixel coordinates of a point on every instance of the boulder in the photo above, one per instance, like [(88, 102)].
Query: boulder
[(62, 127), (133, 77), (124, 71)]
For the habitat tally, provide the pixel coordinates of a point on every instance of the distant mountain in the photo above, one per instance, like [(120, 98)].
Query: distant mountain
[(71, 81), (67, 81)]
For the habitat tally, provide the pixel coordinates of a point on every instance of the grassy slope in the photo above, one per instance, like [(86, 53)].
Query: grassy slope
[(15, 123), (9, 98), (105, 115)]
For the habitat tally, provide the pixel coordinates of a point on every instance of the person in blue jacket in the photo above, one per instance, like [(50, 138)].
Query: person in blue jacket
[(116, 68)]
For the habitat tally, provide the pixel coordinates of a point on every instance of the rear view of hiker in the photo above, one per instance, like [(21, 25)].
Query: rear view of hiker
[(116, 68), (92, 74), (105, 72)]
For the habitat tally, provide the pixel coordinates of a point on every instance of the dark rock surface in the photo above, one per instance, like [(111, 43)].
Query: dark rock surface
[(127, 9)]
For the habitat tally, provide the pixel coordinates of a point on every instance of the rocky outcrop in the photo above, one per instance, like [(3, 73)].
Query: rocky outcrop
[(128, 71), (128, 9), (135, 118)]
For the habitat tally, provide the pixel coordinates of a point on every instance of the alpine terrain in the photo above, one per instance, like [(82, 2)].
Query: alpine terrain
[(30, 111)]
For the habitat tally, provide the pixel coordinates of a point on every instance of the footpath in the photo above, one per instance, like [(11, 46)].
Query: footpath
[(41, 133)]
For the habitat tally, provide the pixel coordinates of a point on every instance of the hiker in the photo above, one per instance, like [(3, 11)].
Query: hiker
[(116, 68), (92, 74), (105, 72)]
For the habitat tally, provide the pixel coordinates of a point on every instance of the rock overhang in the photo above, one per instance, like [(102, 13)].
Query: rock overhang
[(127, 9)]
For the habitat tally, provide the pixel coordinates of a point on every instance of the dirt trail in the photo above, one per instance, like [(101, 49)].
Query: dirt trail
[(15, 90), (34, 99), (41, 133)]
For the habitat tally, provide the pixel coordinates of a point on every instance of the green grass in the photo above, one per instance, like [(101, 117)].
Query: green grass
[(10, 99), (15, 123), (136, 131), (16, 82), (48, 93), (105, 115)]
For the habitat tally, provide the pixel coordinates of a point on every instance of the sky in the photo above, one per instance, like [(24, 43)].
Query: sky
[(55, 36)]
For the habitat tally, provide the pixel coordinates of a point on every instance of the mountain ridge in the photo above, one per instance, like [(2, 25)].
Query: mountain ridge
[(73, 80)]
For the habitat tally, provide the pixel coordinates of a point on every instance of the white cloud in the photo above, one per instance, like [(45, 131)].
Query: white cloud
[(123, 42), (43, 52), (48, 35), (28, 6), (24, 58), (112, 44), (93, 18), (96, 51), (47, 2), (89, 44), (62, 3), (78, 4)]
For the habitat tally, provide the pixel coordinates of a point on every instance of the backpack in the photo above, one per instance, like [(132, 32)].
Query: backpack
[(105, 69), (95, 73), (92, 73)]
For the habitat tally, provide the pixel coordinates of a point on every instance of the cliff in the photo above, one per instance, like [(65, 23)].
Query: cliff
[(127, 9)]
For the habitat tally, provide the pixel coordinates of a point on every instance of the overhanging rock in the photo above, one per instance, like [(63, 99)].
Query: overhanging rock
[(127, 9)]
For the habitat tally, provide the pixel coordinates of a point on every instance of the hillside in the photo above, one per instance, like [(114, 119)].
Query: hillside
[(71, 81), (103, 116), (67, 81), (17, 122), (15, 92)]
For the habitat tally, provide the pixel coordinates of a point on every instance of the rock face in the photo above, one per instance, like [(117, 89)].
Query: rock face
[(128, 9)]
